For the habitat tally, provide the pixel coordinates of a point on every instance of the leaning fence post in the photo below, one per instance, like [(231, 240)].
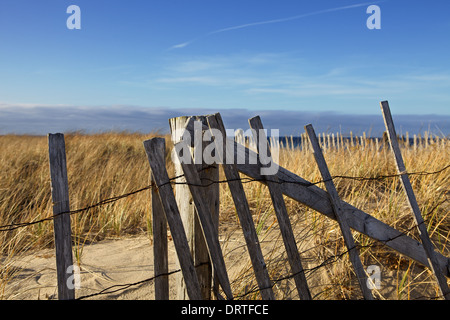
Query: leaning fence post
[(210, 234), (281, 213), (168, 202), (61, 221), (242, 209), (339, 213), (407, 187)]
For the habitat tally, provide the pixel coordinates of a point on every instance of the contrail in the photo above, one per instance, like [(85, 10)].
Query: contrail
[(247, 25)]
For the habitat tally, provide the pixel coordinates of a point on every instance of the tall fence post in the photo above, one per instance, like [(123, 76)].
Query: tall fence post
[(61, 222), (191, 223)]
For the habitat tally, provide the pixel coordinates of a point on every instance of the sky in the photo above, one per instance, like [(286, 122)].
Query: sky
[(134, 64)]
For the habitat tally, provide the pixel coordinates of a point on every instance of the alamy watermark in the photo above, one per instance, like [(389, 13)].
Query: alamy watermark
[(74, 279), (74, 20), (374, 277), (374, 21), (208, 147)]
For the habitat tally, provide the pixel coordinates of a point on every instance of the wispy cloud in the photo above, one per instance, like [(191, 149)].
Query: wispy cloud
[(272, 21), (202, 80), (286, 79), (180, 45)]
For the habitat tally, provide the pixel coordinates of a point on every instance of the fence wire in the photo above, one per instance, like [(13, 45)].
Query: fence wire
[(255, 289), (13, 226)]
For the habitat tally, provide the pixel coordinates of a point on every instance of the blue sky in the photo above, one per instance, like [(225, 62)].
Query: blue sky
[(165, 57)]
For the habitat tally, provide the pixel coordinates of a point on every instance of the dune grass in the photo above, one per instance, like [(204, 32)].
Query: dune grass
[(105, 165)]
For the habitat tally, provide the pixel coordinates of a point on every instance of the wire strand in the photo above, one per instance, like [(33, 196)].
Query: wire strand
[(14, 226)]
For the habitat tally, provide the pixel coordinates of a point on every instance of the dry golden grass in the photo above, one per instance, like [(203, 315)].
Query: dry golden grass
[(104, 165), (320, 240)]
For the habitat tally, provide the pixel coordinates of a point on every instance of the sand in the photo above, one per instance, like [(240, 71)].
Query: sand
[(103, 264), (117, 262)]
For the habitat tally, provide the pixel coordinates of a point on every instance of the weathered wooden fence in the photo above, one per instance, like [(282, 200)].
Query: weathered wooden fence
[(192, 211)]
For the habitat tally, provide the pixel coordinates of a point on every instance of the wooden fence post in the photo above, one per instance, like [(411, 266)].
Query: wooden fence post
[(160, 251), (243, 211), (340, 215), (61, 221), (282, 215), (189, 216), (168, 202), (407, 187), (199, 196)]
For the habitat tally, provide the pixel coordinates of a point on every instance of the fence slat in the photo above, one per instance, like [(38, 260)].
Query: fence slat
[(173, 216), (61, 223), (160, 251), (209, 232), (407, 187), (353, 251), (282, 215), (243, 211)]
